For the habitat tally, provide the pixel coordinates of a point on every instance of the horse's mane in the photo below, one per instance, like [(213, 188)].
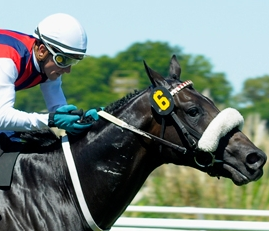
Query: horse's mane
[(121, 102)]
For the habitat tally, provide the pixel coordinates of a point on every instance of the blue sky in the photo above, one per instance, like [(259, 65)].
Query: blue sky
[(232, 34)]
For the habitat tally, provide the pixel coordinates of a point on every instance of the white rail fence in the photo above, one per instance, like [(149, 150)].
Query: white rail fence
[(163, 224)]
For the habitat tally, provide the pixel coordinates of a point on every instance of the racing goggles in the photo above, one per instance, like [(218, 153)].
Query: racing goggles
[(60, 59)]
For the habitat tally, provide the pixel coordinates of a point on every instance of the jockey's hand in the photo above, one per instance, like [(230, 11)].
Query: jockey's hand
[(68, 118), (90, 117)]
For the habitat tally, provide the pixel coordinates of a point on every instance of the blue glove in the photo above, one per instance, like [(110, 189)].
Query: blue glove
[(90, 116), (68, 118)]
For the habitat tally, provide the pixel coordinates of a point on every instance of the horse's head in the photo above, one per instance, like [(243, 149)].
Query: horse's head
[(212, 139)]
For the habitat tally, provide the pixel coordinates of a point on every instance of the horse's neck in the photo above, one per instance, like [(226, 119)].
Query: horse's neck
[(117, 163)]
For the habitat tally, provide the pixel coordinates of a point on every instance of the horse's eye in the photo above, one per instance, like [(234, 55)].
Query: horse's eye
[(193, 112)]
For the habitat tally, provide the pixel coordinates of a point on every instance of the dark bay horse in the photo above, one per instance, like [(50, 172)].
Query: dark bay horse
[(182, 127)]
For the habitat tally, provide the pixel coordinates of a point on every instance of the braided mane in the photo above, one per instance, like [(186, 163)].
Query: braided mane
[(121, 102)]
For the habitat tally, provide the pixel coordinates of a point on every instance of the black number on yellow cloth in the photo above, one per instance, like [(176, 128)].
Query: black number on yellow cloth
[(162, 101)]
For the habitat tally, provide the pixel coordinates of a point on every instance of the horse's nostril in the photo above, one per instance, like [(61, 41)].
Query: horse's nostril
[(252, 158)]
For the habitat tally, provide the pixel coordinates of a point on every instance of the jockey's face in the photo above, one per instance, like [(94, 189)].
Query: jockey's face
[(52, 71), (48, 66)]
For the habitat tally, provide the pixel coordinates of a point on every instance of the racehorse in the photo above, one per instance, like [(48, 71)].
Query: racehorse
[(170, 122)]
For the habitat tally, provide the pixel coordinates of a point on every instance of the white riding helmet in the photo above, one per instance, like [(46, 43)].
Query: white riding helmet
[(63, 32)]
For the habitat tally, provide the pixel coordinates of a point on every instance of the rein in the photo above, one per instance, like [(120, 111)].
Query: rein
[(129, 127)]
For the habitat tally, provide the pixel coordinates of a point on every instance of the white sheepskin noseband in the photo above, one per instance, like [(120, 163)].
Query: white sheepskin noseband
[(223, 123)]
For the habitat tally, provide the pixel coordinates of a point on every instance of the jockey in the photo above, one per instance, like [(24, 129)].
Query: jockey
[(58, 43)]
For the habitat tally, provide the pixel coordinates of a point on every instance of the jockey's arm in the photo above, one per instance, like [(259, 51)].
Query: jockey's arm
[(53, 94), (10, 118)]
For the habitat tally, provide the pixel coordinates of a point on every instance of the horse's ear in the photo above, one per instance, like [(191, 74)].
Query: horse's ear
[(175, 69), (155, 78)]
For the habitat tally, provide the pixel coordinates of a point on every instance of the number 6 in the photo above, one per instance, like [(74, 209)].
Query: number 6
[(161, 100)]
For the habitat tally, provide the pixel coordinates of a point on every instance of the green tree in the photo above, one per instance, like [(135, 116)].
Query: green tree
[(156, 55), (196, 68), (199, 70), (256, 89), (30, 100), (254, 97), (87, 86)]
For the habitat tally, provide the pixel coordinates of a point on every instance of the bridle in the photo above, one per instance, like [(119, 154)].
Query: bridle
[(162, 100), (163, 103)]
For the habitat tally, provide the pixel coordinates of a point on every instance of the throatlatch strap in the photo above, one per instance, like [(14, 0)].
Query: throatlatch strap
[(162, 133)]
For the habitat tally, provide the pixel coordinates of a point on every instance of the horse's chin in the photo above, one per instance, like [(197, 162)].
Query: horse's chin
[(237, 177)]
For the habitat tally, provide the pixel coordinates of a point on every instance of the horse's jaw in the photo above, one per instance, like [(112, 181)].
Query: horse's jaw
[(237, 177), (250, 159)]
